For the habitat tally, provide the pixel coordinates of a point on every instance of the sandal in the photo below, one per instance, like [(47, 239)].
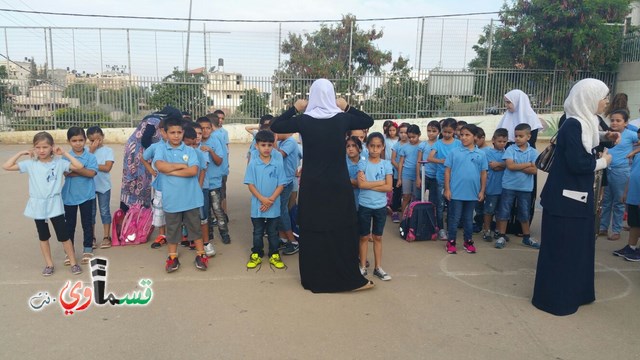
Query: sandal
[(86, 257), (106, 242), (67, 262), (94, 243)]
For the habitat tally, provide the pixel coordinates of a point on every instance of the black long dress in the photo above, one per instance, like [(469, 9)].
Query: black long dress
[(326, 208), (565, 271)]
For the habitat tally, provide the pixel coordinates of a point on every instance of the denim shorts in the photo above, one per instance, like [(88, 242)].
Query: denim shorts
[(366, 215), (491, 204), (507, 200)]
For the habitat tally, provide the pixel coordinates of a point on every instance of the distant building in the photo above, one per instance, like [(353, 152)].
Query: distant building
[(225, 90), (108, 80), (634, 16), (42, 101)]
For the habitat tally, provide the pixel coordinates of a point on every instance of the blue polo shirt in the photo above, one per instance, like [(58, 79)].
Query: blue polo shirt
[(466, 166), (291, 161), (442, 150), (223, 136), (180, 193), (410, 154), (45, 187), (619, 152), (215, 172), (78, 189), (518, 180), (633, 194), (353, 175), (430, 168), (266, 177), (494, 178), (373, 172), (148, 155), (102, 180)]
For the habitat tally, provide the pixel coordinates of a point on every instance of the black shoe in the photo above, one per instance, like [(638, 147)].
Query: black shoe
[(226, 239)]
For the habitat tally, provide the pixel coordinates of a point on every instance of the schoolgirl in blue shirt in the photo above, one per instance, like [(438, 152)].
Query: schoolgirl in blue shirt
[(407, 167), (354, 148), (46, 171), (374, 180), (424, 149), (465, 180), (104, 157), (396, 197), (79, 191)]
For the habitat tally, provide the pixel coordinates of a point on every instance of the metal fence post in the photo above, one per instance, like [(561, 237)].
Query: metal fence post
[(486, 82), (130, 71), (419, 70), (53, 83)]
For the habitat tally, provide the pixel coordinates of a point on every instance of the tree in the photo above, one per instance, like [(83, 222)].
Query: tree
[(5, 102), (182, 90), (254, 104), (126, 99), (557, 34), (83, 91), (325, 54)]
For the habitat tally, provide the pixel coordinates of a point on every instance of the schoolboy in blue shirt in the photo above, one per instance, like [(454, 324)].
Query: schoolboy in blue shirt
[(465, 180), (182, 197), (494, 179), (217, 118), (631, 252), (517, 184), (288, 148), (266, 179)]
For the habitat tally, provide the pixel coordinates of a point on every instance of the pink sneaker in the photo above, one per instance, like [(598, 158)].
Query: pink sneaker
[(468, 246), (451, 247)]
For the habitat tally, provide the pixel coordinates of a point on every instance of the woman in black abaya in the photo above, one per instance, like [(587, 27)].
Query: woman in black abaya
[(326, 208)]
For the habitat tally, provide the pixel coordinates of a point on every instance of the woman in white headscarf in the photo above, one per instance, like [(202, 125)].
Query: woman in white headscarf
[(565, 272), (327, 216)]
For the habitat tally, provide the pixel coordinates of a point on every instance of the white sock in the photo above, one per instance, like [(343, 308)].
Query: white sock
[(294, 242), (633, 247), (283, 240)]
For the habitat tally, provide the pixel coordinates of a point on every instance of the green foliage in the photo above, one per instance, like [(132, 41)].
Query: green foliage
[(562, 34), (182, 90), (6, 106), (126, 99), (254, 104), (83, 91), (82, 117)]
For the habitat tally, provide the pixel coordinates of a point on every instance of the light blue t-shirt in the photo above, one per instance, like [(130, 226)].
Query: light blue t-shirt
[(442, 150), (633, 194), (215, 172), (79, 189), (430, 168), (223, 136), (466, 166), (45, 187), (518, 180), (622, 149), (290, 147), (148, 154), (388, 147), (180, 193), (396, 147), (103, 179), (494, 178), (353, 175), (410, 154), (632, 128), (266, 177), (373, 199)]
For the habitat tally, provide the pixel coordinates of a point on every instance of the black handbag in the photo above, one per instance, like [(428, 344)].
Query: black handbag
[(545, 159)]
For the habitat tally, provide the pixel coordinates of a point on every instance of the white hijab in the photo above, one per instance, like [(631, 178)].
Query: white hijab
[(582, 105), (523, 113), (322, 100)]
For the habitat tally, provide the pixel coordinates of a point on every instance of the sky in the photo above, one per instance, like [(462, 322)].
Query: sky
[(248, 48)]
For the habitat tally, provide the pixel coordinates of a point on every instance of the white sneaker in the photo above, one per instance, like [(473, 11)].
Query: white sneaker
[(442, 234), (363, 271), (381, 274), (209, 249)]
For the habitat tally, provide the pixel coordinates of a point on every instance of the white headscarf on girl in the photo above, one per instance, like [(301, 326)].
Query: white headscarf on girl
[(322, 100), (582, 105), (523, 113)]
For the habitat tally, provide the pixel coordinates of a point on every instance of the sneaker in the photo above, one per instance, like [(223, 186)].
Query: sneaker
[(209, 249), (635, 256), (254, 261), (275, 261), (67, 262), (531, 243), (291, 248), (451, 247), (501, 242), (158, 242), (192, 245), (76, 269), (395, 217), (283, 245), (48, 271), (363, 271), (381, 274), (468, 247), (226, 239), (214, 222), (202, 262), (487, 235), (627, 250), (442, 234), (184, 243), (106, 243), (172, 264)]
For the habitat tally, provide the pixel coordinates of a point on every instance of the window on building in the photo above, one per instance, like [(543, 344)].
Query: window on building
[(228, 97)]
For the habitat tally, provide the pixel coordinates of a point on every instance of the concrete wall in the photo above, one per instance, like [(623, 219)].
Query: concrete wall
[(237, 133), (629, 83)]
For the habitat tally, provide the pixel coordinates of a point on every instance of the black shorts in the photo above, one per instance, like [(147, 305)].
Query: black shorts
[(633, 216), (59, 226)]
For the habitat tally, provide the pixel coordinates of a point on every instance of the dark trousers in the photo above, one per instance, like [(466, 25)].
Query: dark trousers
[(86, 220), (260, 226), (396, 199)]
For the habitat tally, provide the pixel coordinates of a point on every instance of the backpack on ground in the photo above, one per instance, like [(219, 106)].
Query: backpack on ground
[(116, 227), (419, 222), (136, 225)]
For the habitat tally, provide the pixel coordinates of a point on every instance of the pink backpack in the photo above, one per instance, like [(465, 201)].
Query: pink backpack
[(116, 227), (136, 226)]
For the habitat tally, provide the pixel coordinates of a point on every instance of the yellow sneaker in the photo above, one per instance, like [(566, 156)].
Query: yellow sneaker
[(275, 261), (254, 261)]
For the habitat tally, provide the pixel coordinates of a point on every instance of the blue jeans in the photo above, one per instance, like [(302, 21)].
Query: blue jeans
[(460, 209), (260, 226), (102, 200), (507, 200), (612, 206), (284, 224)]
